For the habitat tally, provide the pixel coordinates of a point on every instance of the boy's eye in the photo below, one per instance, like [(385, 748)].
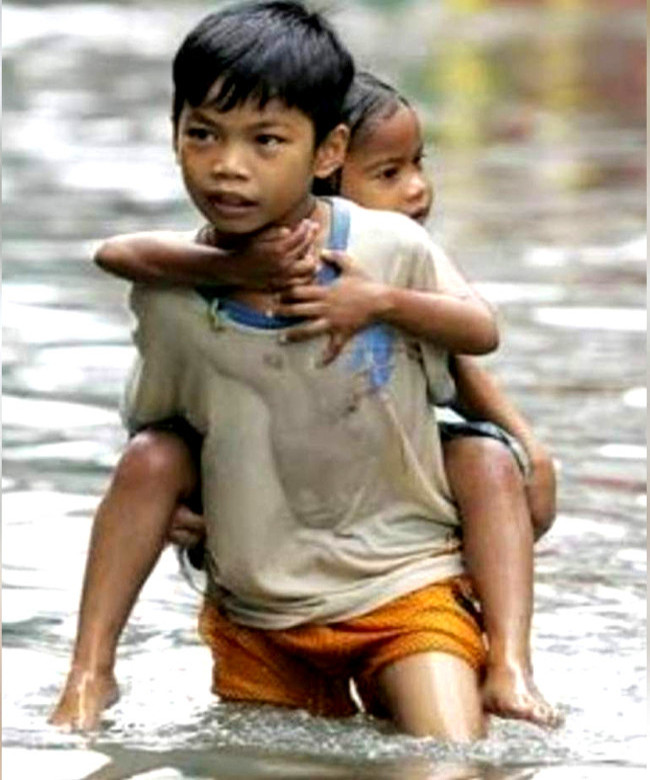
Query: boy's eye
[(269, 141), (199, 133)]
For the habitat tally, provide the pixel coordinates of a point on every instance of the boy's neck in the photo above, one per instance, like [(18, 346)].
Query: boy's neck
[(320, 213)]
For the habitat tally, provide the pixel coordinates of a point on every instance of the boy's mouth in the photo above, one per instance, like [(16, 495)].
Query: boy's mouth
[(231, 203)]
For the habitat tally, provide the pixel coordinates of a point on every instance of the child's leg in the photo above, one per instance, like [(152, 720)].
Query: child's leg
[(433, 695), (129, 533), (498, 544)]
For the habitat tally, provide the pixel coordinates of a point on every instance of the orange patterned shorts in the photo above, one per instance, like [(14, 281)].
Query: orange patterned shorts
[(310, 667)]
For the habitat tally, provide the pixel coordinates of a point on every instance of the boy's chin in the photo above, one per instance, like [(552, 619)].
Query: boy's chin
[(233, 231)]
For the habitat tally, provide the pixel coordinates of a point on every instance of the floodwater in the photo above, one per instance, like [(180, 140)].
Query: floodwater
[(535, 113)]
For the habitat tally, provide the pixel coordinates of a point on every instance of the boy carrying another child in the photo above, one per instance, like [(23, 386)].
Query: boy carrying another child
[(332, 542)]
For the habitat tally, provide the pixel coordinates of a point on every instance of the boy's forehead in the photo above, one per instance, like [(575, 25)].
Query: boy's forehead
[(274, 108)]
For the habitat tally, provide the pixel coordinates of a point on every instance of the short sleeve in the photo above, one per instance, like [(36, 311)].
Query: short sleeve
[(152, 391)]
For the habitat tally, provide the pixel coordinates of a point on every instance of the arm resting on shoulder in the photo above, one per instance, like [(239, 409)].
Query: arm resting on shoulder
[(272, 260), (441, 306), (454, 321), (458, 324), (164, 257)]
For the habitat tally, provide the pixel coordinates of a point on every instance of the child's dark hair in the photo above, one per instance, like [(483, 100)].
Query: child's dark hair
[(368, 102), (262, 51)]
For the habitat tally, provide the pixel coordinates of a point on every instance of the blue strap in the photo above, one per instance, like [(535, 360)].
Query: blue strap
[(371, 351), (338, 238), (340, 227)]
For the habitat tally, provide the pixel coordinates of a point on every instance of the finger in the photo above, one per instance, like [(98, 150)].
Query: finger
[(279, 284), (306, 232), (287, 239), (184, 538), (300, 260), (306, 292), (333, 349), (294, 238), (297, 281), (305, 332), (275, 244), (312, 310), (186, 520), (298, 266), (300, 269), (195, 530), (272, 234), (300, 247), (284, 286)]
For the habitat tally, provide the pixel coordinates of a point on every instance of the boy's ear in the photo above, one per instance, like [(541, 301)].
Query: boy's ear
[(330, 155)]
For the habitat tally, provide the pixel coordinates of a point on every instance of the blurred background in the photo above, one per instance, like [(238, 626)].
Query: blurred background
[(535, 118)]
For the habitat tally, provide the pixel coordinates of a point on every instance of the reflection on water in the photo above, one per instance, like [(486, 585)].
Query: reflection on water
[(536, 114)]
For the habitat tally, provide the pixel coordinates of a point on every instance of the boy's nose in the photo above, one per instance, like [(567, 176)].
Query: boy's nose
[(229, 163)]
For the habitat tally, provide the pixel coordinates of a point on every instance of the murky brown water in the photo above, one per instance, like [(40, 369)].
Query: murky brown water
[(536, 116)]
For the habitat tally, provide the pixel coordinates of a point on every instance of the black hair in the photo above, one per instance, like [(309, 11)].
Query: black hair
[(261, 51), (368, 102)]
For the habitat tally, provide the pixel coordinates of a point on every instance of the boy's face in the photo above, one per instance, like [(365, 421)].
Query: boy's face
[(250, 167), (384, 169)]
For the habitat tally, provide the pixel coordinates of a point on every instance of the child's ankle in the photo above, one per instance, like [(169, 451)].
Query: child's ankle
[(509, 660), (92, 669)]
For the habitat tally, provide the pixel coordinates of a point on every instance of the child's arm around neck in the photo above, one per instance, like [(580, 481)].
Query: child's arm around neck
[(163, 257), (273, 260)]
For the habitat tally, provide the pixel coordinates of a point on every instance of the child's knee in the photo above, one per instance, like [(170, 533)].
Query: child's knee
[(482, 457), (158, 459)]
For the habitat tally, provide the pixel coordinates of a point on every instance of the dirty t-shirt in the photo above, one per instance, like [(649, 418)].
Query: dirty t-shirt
[(323, 487)]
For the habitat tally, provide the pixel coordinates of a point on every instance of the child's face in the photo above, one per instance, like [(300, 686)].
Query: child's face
[(248, 168), (384, 170)]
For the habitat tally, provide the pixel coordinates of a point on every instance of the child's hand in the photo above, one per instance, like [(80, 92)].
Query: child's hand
[(541, 490), (341, 309), (275, 259), (187, 528)]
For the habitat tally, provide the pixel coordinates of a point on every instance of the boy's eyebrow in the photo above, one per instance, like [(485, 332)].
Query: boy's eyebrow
[(269, 123), (263, 124)]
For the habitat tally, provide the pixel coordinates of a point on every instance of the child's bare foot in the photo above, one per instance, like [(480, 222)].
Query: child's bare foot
[(510, 692), (85, 696)]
